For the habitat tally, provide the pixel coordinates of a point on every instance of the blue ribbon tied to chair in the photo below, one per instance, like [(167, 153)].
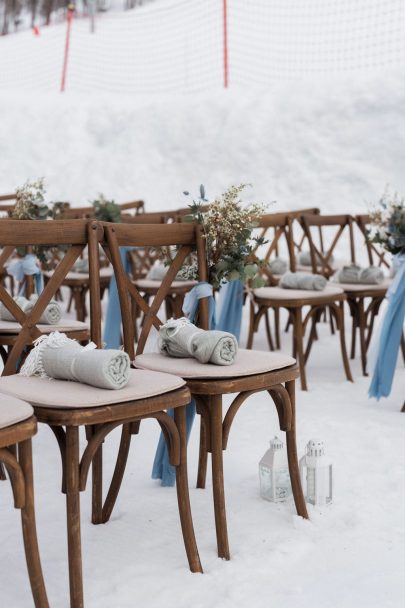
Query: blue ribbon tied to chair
[(231, 315), (26, 266), (391, 334)]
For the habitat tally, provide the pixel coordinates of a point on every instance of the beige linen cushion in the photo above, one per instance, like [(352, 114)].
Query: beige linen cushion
[(364, 286), (278, 293), (149, 284), (13, 410), (12, 327), (44, 392), (247, 363)]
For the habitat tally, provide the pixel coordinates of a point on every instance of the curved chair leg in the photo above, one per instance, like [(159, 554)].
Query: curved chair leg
[(118, 475), (29, 528), (218, 475), (339, 310), (293, 458), (183, 497), (73, 517)]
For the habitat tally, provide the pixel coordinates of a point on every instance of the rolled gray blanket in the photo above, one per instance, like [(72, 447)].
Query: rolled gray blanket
[(158, 272), (56, 356), (303, 280), (356, 274), (180, 338), (304, 258), (278, 266), (51, 315)]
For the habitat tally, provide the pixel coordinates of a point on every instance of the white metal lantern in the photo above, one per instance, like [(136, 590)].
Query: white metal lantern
[(275, 484), (316, 474)]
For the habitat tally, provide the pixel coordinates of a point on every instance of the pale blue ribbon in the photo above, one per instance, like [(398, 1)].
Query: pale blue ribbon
[(162, 469), (230, 320), (26, 266), (112, 327), (391, 333)]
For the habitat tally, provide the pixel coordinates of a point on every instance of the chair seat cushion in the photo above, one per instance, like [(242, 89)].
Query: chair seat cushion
[(363, 286), (278, 293), (44, 392), (150, 284), (12, 327), (13, 410), (247, 363)]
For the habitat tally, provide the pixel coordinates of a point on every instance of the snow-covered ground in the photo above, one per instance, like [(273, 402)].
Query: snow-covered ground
[(350, 555), (334, 141)]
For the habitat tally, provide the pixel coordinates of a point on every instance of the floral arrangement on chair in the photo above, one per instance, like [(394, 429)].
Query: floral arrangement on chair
[(387, 223), (228, 227), (30, 205), (106, 211)]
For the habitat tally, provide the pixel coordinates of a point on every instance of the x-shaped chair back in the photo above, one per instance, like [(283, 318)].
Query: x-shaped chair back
[(75, 235), (275, 227), (185, 238), (321, 252), (377, 256)]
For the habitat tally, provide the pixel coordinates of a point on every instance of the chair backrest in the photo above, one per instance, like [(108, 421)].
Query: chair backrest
[(323, 247), (185, 238), (275, 228), (7, 197), (136, 206), (377, 256), (79, 213), (74, 236)]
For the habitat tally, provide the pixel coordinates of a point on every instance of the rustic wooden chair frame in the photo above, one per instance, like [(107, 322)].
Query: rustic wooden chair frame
[(208, 393), (364, 304), (259, 308), (16, 456), (97, 421)]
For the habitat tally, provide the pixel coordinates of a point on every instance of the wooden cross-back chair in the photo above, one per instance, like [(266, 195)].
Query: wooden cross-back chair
[(251, 373), (16, 335), (377, 256), (322, 253), (67, 406), (364, 300), (17, 426), (298, 302)]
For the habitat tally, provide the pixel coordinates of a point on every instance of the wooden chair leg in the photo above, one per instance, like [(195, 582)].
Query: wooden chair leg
[(203, 455), (339, 311), (73, 517), (355, 324), (218, 475), (277, 327), (251, 326), (3, 475), (362, 336), (29, 528), (97, 487), (299, 345), (183, 497), (268, 331), (118, 475), (293, 465)]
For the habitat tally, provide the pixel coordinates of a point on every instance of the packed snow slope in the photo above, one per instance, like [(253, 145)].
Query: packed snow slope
[(335, 144)]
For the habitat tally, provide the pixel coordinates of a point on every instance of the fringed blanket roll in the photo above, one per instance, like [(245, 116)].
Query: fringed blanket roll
[(303, 280), (56, 356), (180, 338), (278, 266), (356, 274), (51, 315)]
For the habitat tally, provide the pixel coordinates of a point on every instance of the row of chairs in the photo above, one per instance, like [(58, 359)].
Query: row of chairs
[(68, 407)]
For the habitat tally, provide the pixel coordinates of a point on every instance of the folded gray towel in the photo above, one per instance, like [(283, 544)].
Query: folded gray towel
[(180, 338), (56, 356), (278, 266), (356, 274), (51, 315), (304, 258), (303, 280)]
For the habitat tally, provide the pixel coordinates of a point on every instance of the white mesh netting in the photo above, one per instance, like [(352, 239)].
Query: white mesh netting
[(178, 45)]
